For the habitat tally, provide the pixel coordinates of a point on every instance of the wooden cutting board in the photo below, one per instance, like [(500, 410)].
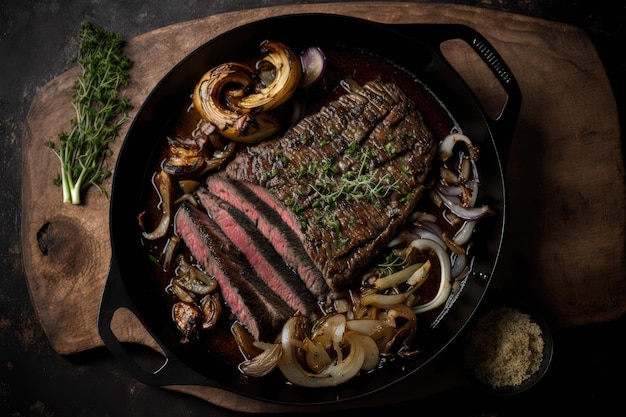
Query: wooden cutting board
[(567, 199)]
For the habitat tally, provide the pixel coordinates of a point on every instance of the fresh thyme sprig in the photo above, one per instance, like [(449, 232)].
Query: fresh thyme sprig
[(99, 112), (352, 185), (393, 262)]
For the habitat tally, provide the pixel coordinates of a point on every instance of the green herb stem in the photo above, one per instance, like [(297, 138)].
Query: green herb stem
[(99, 113)]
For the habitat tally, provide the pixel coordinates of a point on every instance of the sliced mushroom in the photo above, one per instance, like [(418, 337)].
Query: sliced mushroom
[(186, 316), (211, 305)]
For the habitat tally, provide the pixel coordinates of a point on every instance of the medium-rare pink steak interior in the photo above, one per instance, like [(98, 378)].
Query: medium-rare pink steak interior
[(265, 262), (256, 305), (265, 214), (346, 178)]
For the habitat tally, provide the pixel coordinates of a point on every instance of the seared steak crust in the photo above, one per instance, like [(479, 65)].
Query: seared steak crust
[(350, 175)]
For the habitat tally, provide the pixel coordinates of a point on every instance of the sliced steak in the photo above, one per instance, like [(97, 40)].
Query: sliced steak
[(259, 252), (284, 239), (349, 175), (254, 304)]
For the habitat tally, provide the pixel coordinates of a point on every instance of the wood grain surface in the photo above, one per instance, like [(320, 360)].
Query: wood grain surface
[(565, 236)]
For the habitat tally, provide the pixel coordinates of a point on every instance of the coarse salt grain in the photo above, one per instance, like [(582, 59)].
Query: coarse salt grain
[(505, 347)]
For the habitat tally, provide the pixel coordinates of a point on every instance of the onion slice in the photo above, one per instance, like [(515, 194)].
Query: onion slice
[(360, 355), (262, 364), (445, 285), (232, 122), (396, 278), (288, 73), (467, 213), (370, 349), (313, 66), (164, 187), (447, 145)]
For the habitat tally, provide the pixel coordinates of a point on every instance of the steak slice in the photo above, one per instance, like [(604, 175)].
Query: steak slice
[(262, 257), (254, 304), (349, 175), (267, 218)]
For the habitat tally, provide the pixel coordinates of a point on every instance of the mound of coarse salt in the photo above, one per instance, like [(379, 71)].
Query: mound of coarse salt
[(505, 347)]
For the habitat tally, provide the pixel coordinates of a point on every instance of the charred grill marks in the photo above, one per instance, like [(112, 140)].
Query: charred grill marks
[(350, 175)]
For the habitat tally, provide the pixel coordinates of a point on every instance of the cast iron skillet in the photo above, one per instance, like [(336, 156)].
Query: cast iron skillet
[(415, 47)]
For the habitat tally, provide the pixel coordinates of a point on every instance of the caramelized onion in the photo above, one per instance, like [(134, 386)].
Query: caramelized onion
[(370, 349), (329, 329), (383, 300), (462, 236), (244, 340), (447, 145), (188, 186), (193, 285), (168, 251), (182, 293), (288, 72), (468, 213), (163, 185), (219, 158), (211, 305), (342, 370), (419, 276), (210, 101), (367, 326), (396, 278), (317, 358), (263, 363), (380, 331), (406, 331), (445, 285)]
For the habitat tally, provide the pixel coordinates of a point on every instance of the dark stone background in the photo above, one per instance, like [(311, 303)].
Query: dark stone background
[(37, 40)]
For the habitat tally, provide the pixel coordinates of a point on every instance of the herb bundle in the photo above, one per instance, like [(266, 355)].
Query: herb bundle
[(99, 112)]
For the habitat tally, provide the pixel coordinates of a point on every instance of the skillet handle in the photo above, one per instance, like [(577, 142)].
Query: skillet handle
[(435, 34), (171, 372)]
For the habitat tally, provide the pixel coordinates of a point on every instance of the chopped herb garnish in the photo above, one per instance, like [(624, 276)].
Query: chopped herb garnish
[(99, 113), (393, 262), (351, 150)]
